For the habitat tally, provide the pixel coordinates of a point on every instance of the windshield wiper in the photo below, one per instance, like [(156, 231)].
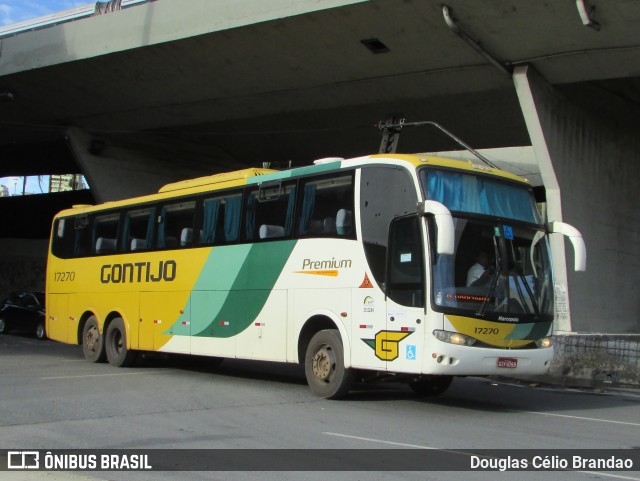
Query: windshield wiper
[(527, 287), (494, 280)]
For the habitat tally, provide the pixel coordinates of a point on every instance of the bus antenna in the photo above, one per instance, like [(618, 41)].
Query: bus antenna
[(393, 124)]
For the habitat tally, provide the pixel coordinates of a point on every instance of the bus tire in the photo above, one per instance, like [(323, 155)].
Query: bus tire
[(3, 326), (324, 366), (93, 341), (116, 345), (430, 386)]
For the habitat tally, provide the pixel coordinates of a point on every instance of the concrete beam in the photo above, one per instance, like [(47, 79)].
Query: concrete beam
[(118, 169), (143, 25)]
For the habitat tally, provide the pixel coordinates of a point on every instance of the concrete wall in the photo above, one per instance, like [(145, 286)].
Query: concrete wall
[(22, 264), (596, 160)]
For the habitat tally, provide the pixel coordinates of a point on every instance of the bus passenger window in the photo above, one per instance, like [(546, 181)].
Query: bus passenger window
[(138, 229), (105, 233), (326, 208), (221, 219), (63, 238), (270, 212), (174, 219)]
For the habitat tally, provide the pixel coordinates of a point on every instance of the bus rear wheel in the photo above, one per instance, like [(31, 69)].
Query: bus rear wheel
[(431, 385), (116, 345), (92, 341), (324, 366)]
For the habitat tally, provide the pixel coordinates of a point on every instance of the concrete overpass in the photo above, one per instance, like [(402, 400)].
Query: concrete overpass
[(170, 89)]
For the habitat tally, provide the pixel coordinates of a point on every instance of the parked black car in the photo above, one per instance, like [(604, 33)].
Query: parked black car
[(23, 311)]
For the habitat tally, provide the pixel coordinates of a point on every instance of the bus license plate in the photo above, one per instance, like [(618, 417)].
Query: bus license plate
[(507, 362)]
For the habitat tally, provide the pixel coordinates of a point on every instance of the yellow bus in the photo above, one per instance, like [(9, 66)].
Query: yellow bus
[(366, 265)]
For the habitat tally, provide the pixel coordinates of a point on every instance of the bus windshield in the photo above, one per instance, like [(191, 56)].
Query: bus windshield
[(499, 270), (501, 266), (479, 194)]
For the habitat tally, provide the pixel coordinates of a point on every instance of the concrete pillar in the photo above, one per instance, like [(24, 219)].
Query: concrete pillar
[(527, 89), (589, 158), (23, 264)]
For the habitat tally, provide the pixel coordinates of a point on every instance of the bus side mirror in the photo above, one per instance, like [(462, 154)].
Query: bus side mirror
[(579, 248), (444, 222)]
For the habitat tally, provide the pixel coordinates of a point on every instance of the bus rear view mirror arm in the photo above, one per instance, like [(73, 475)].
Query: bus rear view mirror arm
[(446, 232), (579, 248)]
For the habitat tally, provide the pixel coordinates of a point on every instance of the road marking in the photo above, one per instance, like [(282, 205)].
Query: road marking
[(617, 476), (372, 440), (626, 423), (418, 446), (103, 375)]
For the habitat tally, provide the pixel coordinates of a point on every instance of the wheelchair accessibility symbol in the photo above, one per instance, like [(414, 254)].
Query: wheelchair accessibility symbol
[(411, 352)]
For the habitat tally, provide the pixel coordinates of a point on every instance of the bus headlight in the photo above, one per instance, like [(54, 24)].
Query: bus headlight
[(454, 338), (544, 342)]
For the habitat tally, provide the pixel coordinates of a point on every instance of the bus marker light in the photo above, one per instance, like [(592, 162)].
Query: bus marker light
[(366, 326), (434, 355), (185, 323), (72, 318), (408, 329), (181, 311), (224, 323), (260, 324), (344, 314), (157, 321)]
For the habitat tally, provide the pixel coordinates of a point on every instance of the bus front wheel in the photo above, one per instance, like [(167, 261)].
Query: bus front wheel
[(324, 365), (116, 345), (92, 341)]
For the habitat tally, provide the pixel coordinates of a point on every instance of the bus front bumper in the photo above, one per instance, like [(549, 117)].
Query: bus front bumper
[(449, 359)]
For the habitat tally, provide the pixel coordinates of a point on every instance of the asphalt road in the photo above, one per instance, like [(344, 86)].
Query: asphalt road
[(51, 398)]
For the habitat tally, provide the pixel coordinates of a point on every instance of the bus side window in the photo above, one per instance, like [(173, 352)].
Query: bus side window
[(405, 264), (386, 192), (63, 238), (269, 212), (105, 233), (326, 207), (176, 225), (221, 219), (138, 229)]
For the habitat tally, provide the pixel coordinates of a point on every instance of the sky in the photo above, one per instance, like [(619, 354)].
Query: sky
[(13, 11)]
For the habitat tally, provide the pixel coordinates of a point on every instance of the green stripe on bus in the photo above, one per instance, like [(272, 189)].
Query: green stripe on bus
[(228, 312), (285, 174), (533, 330)]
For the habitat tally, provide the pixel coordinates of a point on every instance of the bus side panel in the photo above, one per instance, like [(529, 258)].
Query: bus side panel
[(163, 317), (327, 303), (265, 339), (208, 338), (58, 318)]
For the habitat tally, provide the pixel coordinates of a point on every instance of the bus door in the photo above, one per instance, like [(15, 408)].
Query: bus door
[(403, 343), (165, 322)]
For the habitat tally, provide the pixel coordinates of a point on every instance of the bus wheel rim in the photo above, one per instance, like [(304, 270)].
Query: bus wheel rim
[(92, 338), (324, 362)]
